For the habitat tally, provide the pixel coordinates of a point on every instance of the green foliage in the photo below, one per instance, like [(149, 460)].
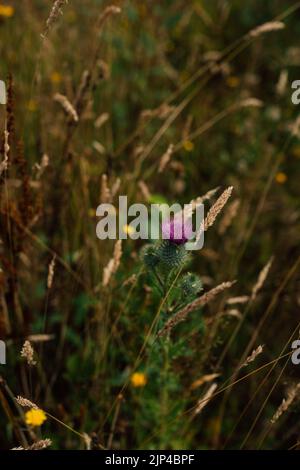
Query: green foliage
[(164, 261)]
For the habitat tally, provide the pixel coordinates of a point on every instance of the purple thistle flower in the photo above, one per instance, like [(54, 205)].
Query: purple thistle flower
[(177, 230)]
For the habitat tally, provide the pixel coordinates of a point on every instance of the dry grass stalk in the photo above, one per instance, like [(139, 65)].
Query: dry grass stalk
[(282, 82), (200, 302), (194, 203), (187, 128), (295, 127), (138, 150), (244, 103), (214, 211), (205, 399), (55, 13), (144, 190), (40, 167), (117, 254), (109, 10), (4, 163), (27, 352), (266, 28), (39, 445), (165, 158), (115, 187), (204, 379), (24, 402), (104, 69), (105, 195), (108, 272), (99, 147), (217, 207), (113, 264), (233, 312), (228, 217), (261, 279), (41, 338), (206, 197), (162, 112), (101, 120), (256, 352), (67, 106), (83, 88), (286, 402), (51, 273), (87, 441), (250, 102), (130, 280), (238, 300)]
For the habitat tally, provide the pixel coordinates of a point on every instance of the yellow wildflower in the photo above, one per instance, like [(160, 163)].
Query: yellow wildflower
[(138, 379), (281, 177), (188, 145), (6, 10), (31, 105), (233, 82), (55, 77), (296, 151), (128, 229), (35, 417)]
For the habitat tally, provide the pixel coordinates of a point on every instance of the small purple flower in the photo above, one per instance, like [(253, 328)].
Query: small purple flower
[(177, 230)]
